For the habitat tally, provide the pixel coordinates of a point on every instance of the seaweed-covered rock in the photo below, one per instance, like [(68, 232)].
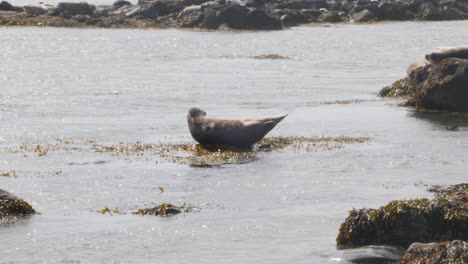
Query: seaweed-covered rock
[(12, 207), (164, 210), (403, 222), (400, 88), (449, 252), (5, 6), (442, 86)]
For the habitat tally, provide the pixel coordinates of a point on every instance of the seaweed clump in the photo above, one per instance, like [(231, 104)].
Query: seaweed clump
[(12, 207), (271, 57), (447, 252), (164, 209), (403, 222)]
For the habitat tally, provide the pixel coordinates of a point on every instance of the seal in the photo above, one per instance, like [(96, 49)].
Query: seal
[(228, 133), (447, 52)]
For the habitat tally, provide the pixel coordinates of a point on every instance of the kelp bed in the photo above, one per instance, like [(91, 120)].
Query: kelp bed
[(188, 153)]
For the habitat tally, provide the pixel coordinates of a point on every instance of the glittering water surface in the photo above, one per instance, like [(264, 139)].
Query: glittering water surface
[(117, 86)]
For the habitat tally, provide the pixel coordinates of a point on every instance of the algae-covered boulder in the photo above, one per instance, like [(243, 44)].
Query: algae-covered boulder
[(442, 86), (400, 88), (12, 207), (449, 252), (403, 222)]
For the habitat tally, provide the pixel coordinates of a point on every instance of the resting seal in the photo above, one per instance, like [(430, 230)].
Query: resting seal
[(230, 133), (448, 52)]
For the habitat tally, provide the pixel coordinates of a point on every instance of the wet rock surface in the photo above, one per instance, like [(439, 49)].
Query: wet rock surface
[(12, 207), (404, 222), (438, 83), (226, 14), (449, 252)]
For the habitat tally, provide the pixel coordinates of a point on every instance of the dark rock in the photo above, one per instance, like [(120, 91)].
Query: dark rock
[(364, 16), (120, 3), (193, 2), (5, 6), (400, 88), (298, 4), (429, 11), (259, 19), (449, 252), (442, 86), (393, 11), (233, 16), (12, 207), (294, 17), (210, 20), (74, 9), (403, 222), (331, 17), (151, 10)]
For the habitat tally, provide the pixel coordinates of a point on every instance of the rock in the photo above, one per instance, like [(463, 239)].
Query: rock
[(403, 222), (442, 86), (120, 3), (73, 9), (293, 17), (364, 16), (331, 17), (150, 10), (400, 88), (5, 6), (393, 11), (210, 20), (12, 207), (233, 16), (429, 11), (259, 19), (191, 18), (449, 252), (298, 4)]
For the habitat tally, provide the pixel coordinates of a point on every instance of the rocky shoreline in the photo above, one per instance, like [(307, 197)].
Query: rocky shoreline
[(228, 14)]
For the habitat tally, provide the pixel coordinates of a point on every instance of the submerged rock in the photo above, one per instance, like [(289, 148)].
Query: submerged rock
[(449, 252), (12, 207), (403, 222)]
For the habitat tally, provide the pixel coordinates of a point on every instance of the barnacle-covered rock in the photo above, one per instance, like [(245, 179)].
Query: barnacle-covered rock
[(403, 222), (447, 252)]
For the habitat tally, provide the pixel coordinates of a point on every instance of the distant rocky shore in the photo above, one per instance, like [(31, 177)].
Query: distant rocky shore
[(228, 14)]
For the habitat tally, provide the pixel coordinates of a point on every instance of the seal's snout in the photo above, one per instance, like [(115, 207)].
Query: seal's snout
[(195, 112)]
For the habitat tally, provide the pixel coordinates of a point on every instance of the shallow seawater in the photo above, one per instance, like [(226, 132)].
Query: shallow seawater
[(113, 86)]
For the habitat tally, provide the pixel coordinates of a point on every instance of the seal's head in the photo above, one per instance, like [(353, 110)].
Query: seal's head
[(196, 112)]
